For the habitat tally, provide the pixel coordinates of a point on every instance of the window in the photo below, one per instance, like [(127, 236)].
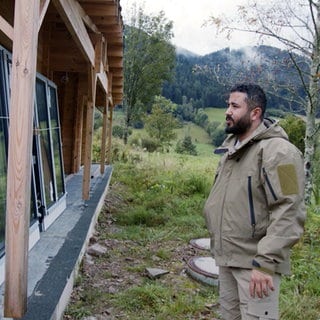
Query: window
[(3, 146), (47, 185)]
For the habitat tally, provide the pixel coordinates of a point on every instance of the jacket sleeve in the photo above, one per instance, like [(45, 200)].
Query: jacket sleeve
[(282, 173)]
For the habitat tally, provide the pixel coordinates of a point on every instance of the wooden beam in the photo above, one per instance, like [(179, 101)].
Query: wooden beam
[(24, 57), (115, 62), (105, 56), (92, 83), (103, 80), (104, 137), (78, 124), (110, 108), (115, 51), (43, 10), (70, 12), (6, 28), (98, 48), (102, 9), (100, 1), (109, 147)]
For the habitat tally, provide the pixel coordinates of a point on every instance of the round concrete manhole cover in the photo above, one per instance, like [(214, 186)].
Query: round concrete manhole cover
[(202, 243), (203, 269)]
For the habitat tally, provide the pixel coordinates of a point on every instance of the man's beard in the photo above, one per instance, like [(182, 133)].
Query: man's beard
[(239, 127)]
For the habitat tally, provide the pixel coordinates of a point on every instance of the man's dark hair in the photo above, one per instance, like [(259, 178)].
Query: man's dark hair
[(255, 94)]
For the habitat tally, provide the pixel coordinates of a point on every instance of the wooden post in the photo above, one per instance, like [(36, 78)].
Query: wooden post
[(104, 136), (110, 135), (78, 123), (92, 83), (24, 57), (110, 112)]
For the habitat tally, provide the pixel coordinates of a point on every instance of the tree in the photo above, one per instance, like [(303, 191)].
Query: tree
[(160, 124), (148, 61), (185, 146), (295, 127), (295, 24)]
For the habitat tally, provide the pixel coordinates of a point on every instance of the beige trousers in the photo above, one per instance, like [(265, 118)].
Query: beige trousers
[(236, 302)]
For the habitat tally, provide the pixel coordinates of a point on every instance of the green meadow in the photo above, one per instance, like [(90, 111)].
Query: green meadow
[(152, 211)]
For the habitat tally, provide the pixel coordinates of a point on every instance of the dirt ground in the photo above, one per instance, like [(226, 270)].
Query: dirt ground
[(112, 266)]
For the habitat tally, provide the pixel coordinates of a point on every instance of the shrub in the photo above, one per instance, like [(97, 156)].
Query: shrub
[(295, 128), (212, 127), (149, 144), (186, 146), (118, 131), (218, 137)]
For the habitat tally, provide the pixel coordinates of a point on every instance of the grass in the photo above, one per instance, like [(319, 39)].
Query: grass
[(153, 209), (216, 114), (159, 211), (300, 298)]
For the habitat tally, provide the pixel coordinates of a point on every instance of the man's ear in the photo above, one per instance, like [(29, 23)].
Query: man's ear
[(256, 113)]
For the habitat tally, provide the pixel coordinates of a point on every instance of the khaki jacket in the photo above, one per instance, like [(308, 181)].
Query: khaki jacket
[(255, 211)]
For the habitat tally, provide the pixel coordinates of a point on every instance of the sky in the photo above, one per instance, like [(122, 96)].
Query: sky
[(188, 17)]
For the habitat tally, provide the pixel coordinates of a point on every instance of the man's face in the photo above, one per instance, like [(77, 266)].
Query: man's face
[(238, 119)]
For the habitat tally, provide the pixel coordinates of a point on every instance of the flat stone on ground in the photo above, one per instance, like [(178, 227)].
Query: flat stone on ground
[(155, 272)]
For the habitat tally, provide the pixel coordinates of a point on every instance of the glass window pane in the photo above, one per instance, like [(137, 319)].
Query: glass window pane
[(47, 167), (3, 149), (3, 178), (56, 144)]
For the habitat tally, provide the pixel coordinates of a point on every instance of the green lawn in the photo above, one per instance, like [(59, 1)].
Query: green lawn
[(216, 114), (152, 210)]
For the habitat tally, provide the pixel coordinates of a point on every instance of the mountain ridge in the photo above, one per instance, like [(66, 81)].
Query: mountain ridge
[(203, 78)]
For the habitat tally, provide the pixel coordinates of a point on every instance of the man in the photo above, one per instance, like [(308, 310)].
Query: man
[(255, 211)]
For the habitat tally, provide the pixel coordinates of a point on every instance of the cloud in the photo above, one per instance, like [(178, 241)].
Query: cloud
[(189, 18)]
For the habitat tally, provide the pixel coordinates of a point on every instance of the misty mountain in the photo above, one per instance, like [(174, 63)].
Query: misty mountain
[(205, 79), (185, 52)]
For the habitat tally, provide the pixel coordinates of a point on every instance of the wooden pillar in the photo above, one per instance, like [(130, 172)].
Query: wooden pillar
[(104, 136), (24, 57), (78, 123), (110, 135), (110, 108), (92, 83)]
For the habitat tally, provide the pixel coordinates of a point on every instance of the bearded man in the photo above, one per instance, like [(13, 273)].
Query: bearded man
[(255, 212)]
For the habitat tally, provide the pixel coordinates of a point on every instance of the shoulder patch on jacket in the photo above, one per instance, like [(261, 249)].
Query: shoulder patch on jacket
[(288, 179)]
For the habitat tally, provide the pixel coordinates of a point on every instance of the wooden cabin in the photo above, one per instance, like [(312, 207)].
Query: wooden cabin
[(60, 61)]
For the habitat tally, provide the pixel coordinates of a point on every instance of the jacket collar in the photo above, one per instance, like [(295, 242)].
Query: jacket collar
[(267, 129)]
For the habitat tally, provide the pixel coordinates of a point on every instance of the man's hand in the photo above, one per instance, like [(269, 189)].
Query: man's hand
[(260, 283)]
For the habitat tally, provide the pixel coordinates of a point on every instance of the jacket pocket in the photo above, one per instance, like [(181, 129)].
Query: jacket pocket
[(251, 207), (271, 189)]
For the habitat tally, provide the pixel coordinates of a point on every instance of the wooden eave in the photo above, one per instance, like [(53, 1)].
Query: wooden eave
[(81, 20), (106, 16)]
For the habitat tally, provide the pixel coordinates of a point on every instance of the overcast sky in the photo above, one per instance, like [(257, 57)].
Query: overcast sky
[(188, 17)]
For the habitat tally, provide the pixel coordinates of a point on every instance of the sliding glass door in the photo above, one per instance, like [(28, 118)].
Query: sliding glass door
[(50, 187), (47, 183), (3, 146)]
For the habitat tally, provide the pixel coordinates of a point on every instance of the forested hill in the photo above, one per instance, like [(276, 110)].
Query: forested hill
[(205, 79)]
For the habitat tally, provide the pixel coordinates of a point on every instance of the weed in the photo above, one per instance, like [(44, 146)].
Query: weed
[(154, 210)]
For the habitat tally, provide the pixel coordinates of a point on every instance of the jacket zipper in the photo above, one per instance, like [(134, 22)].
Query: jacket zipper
[(269, 184), (251, 207)]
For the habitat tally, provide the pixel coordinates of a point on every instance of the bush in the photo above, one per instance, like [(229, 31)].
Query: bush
[(218, 137), (277, 113), (150, 145), (295, 128), (138, 124), (186, 146), (212, 127), (118, 131)]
